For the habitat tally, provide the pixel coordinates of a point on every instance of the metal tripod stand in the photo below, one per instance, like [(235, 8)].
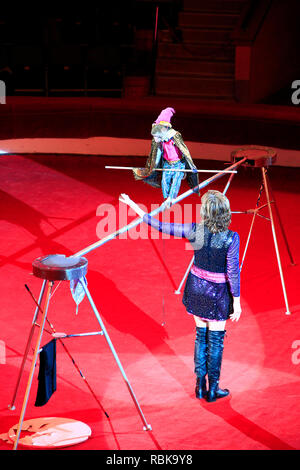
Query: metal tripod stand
[(261, 157), (266, 186), (50, 270)]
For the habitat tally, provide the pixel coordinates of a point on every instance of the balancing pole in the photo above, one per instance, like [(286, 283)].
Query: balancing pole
[(194, 170), (161, 208)]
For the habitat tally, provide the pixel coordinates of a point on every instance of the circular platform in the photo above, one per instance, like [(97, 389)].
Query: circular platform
[(256, 155), (50, 433), (60, 267)]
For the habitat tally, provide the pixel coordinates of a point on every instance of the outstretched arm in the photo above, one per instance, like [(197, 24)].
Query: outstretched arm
[(177, 230)]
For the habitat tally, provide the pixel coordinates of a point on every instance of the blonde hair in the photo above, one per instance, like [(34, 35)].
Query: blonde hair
[(215, 211)]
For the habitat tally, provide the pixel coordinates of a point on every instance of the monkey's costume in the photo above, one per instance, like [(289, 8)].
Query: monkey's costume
[(168, 151)]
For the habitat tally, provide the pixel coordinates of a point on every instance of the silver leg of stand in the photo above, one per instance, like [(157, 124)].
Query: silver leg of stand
[(228, 183), (185, 276), (248, 240), (33, 326), (280, 222), (147, 427), (33, 364), (252, 223), (275, 242)]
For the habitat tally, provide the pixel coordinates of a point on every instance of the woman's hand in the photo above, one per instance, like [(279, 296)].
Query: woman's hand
[(126, 199), (237, 310)]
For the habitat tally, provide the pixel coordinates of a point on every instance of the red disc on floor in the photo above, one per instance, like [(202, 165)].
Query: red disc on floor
[(50, 433)]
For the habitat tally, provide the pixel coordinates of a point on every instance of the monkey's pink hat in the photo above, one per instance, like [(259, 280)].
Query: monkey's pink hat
[(165, 117)]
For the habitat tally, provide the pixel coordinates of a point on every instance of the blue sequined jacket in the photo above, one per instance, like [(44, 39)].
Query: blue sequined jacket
[(213, 252)]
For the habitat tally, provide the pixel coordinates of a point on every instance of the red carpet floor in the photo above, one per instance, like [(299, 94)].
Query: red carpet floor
[(54, 204)]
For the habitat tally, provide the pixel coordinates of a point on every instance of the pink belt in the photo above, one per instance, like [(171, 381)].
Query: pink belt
[(208, 275)]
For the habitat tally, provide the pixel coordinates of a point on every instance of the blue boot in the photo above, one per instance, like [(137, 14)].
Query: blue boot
[(214, 362), (200, 360)]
